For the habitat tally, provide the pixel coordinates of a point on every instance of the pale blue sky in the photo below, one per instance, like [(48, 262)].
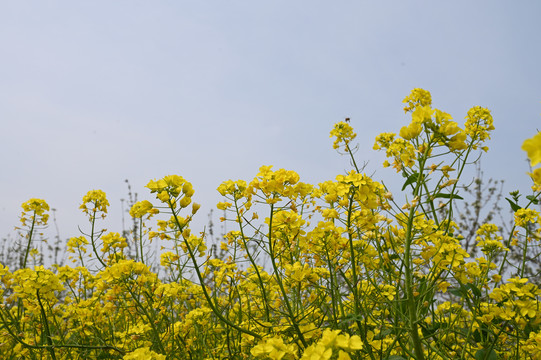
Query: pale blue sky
[(92, 93)]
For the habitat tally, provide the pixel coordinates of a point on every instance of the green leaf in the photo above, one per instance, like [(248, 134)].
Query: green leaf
[(448, 196), (383, 334), (410, 180), (475, 290), (486, 354), (514, 206), (533, 199), (430, 330), (395, 357), (456, 291), (351, 317), (477, 335)]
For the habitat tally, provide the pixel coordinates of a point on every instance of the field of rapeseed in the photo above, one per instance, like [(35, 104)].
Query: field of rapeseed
[(337, 270)]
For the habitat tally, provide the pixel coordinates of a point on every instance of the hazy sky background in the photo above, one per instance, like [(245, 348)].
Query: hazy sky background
[(96, 92)]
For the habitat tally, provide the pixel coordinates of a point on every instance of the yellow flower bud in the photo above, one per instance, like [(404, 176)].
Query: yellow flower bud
[(185, 201), (186, 233)]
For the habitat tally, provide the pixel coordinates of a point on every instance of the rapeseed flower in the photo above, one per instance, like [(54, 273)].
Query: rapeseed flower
[(317, 352), (93, 202), (532, 147), (343, 133), (274, 348), (525, 217), (34, 210), (142, 208), (411, 131), (489, 240), (479, 124), (113, 240), (422, 115), (287, 287), (143, 353), (417, 97)]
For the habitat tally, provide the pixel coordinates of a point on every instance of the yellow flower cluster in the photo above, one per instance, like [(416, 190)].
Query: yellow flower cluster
[(112, 241), (144, 353), (525, 217), (340, 270), (400, 150), (343, 133), (330, 341), (95, 202), (430, 129), (275, 349), (98, 201), (171, 188), (276, 184), (77, 243), (479, 123), (234, 188), (489, 240), (417, 97), (34, 211), (142, 208)]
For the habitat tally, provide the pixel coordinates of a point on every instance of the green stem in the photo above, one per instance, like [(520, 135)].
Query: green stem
[(352, 254), (92, 241), (352, 159), (281, 285), (252, 261), (151, 319), (141, 240), (508, 242), (410, 300), (50, 347), (30, 233), (411, 304), (524, 253), (213, 306)]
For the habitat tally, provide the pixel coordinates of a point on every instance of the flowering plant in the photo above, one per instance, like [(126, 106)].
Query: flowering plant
[(339, 270)]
